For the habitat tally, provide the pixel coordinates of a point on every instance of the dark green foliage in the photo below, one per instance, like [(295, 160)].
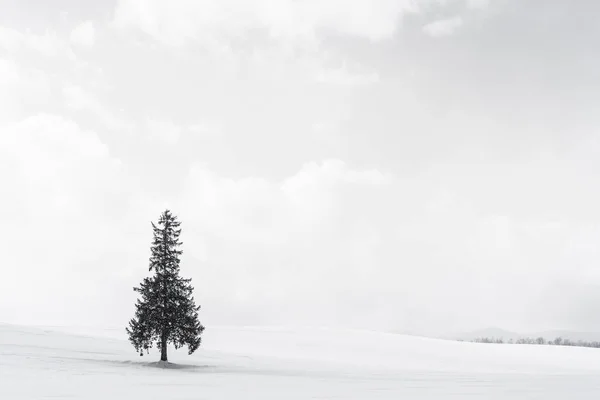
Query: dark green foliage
[(166, 311)]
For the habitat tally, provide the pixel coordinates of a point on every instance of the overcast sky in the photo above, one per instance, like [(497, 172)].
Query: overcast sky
[(427, 166)]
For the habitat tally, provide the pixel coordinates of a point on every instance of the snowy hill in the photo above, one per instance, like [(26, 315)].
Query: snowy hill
[(278, 363)]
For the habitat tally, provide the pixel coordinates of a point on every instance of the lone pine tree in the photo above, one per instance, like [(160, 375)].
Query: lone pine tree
[(166, 311)]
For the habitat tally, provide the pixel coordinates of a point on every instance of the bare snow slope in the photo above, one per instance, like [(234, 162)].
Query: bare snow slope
[(277, 363)]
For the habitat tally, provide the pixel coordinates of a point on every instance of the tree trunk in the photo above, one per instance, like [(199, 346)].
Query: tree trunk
[(163, 339), (163, 347)]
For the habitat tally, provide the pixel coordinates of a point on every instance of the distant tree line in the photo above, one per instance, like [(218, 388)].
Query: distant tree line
[(539, 341)]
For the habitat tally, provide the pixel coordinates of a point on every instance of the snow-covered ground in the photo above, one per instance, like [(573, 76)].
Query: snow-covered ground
[(278, 363)]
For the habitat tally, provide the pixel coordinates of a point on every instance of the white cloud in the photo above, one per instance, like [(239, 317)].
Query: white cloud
[(57, 170), (37, 65), (10, 39), (477, 4), (343, 76), (271, 239), (48, 44), (79, 99), (21, 89), (176, 21), (281, 32), (206, 129), (164, 130), (62, 137), (443, 27), (69, 201), (334, 170), (327, 134), (8, 72), (83, 34), (302, 199)]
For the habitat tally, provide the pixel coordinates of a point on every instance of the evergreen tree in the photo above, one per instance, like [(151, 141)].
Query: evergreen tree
[(166, 312)]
